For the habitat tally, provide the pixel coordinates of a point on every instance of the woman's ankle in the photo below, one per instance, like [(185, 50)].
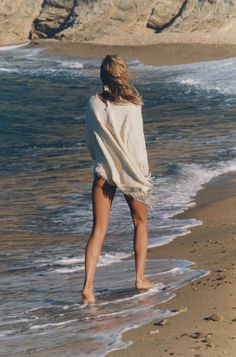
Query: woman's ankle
[(88, 294), (144, 283), (88, 298), (140, 278), (87, 287)]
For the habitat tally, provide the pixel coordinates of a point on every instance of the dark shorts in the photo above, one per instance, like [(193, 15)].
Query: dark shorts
[(98, 177)]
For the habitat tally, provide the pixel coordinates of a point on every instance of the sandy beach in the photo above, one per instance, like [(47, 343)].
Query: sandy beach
[(206, 324), (162, 54)]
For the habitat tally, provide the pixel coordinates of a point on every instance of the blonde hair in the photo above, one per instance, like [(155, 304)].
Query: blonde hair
[(115, 76)]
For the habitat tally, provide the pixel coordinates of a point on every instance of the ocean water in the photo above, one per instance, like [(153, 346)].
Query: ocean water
[(45, 189)]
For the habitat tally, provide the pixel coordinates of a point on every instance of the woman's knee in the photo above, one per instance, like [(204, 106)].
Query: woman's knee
[(99, 230), (139, 219), (138, 211)]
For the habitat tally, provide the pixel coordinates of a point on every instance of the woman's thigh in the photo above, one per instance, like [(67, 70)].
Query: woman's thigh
[(102, 197)]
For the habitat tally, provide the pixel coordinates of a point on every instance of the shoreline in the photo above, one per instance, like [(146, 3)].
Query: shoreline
[(211, 246), (188, 333), (162, 54), (206, 325)]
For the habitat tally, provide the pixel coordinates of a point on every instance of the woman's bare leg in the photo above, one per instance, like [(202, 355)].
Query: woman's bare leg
[(102, 196), (138, 212)]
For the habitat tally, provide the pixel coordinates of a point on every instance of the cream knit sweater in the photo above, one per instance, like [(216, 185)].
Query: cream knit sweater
[(115, 139)]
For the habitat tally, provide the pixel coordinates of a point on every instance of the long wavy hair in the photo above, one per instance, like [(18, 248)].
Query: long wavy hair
[(115, 78)]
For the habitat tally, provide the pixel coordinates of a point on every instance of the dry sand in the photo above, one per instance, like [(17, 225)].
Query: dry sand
[(156, 54), (211, 246)]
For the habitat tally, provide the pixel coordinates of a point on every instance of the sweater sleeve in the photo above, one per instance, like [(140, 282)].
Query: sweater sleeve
[(136, 140), (90, 138)]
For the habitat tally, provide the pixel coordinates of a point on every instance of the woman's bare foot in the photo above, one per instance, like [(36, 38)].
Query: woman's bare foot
[(144, 284), (88, 297)]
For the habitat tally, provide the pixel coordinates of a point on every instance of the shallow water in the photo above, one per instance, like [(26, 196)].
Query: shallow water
[(45, 206)]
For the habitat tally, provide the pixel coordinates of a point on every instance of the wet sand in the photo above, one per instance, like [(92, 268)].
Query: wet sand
[(162, 54), (206, 324)]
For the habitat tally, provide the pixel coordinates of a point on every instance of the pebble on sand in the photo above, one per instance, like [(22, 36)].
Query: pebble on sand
[(214, 317), (161, 323), (196, 335), (153, 332)]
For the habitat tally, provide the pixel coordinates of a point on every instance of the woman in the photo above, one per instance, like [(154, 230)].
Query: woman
[(115, 139)]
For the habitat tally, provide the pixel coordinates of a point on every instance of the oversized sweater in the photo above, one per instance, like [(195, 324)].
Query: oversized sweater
[(115, 138)]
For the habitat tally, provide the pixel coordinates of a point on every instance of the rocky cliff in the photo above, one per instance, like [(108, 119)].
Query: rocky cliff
[(16, 19), (96, 20)]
